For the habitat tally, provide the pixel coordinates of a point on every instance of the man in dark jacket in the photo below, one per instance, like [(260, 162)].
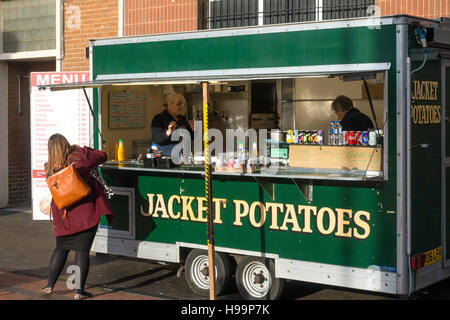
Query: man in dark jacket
[(351, 118), (165, 123)]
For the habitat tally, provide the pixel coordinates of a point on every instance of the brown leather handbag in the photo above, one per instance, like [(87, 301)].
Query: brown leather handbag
[(67, 187)]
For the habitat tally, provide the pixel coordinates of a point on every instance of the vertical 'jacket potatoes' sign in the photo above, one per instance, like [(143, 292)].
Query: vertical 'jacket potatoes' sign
[(428, 111), (338, 222)]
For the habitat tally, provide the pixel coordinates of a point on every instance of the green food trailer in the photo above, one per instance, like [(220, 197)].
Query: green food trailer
[(373, 218)]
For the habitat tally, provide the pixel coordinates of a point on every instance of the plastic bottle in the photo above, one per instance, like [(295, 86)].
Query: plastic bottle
[(331, 134), (254, 152), (338, 134), (120, 151), (240, 150)]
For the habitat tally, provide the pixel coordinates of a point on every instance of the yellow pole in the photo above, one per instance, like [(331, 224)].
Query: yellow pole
[(208, 193)]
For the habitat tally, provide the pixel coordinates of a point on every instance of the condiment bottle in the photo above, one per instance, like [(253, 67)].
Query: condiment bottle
[(120, 151)]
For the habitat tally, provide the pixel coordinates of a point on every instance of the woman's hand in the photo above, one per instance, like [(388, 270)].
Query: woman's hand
[(171, 128)]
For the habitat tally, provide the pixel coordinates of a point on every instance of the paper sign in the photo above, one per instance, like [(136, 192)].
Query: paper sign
[(65, 112)]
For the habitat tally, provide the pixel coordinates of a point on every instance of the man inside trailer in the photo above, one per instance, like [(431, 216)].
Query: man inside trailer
[(351, 118)]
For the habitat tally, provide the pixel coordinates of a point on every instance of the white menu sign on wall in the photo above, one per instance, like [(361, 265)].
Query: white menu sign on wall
[(65, 112)]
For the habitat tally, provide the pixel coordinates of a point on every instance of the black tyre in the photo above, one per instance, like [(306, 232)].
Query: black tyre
[(255, 279), (197, 272)]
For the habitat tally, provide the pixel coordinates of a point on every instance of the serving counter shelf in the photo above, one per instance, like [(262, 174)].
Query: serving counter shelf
[(278, 173)]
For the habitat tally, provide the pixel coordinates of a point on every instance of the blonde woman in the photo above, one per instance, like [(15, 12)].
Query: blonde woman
[(75, 230), (165, 123)]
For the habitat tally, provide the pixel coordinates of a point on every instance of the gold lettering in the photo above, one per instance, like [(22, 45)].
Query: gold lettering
[(240, 211), (436, 86), (331, 221), (150, 206), (262, 211), (170, 207), (218, 203), (362, 224), (160, 206), (307, 216), (274, 214), (341, 223), (201, 209), (186, 207), (414, 90), (438, 110), (290, 217)]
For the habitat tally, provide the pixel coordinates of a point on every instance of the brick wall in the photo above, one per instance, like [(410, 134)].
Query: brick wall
[(19, 155), (159, 16), (422, 8), (85, 20)]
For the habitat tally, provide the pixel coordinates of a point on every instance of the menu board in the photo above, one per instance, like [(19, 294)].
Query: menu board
[(127, 109), (65, 112)]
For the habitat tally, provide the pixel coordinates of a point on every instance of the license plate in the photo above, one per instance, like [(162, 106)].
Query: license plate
[(433, 255)]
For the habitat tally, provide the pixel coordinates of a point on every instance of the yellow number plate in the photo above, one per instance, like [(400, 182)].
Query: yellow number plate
[(433, 256)]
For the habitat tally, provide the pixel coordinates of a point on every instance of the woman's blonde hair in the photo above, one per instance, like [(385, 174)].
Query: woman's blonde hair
[(173, 97), (59, 151)]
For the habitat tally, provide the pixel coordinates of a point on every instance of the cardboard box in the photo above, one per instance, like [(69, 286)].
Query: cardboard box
[(335, 157)]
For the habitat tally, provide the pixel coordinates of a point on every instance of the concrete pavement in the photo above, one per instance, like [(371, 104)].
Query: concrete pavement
[(25, 249)]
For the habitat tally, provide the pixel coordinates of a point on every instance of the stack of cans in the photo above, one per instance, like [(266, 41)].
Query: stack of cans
[(309, 136), (360, 138)]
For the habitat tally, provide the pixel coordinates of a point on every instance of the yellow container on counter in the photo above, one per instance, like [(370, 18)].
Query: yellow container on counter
[(120, 151)]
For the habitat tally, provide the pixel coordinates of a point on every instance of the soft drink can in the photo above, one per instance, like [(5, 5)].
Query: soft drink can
[(358, 137), (307, 136), (365, 138), (342, 139), (314, 137), (311, 137), (350, 138), (319, 137), (301, 136), (295, 137)]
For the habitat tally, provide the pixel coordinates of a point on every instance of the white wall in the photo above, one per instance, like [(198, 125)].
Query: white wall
[(3, 134)]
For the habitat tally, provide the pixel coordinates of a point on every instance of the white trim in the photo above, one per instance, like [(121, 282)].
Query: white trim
[(228, 250), (4, 134), (136, 248), (249, 73), (1, 27), (319, 10), (25, 55), (371, 279), (59, 22), (276, 28), (121, 18), (260, 12)]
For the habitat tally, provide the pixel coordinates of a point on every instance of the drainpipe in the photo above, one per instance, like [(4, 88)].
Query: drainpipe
[(60, 46)]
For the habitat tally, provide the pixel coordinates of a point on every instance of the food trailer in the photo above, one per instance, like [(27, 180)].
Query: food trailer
[(368, 217)]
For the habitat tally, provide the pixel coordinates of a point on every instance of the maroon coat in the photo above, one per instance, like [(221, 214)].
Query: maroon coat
[(86, 213)]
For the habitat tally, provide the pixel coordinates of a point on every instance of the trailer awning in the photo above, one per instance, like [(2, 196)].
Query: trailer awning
[(189, 77)]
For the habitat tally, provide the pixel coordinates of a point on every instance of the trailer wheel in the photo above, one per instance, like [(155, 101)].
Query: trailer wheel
[(255, 279), (197, 272)]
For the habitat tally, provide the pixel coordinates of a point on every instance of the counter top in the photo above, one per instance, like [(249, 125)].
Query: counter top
[(280, 173)]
